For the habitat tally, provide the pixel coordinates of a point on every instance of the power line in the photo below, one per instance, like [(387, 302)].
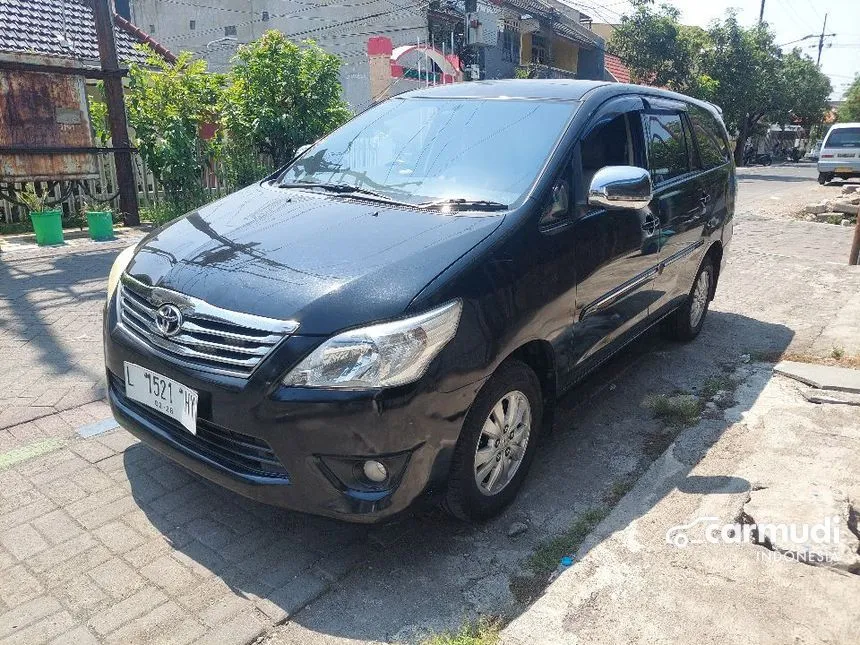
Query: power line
[(212, 30)]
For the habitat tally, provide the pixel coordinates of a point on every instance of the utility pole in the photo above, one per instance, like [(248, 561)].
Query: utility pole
[(821, 40), (761, 13), (103, 13)]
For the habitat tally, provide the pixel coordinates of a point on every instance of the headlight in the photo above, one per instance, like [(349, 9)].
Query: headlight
[(384, 355), (119, 265)]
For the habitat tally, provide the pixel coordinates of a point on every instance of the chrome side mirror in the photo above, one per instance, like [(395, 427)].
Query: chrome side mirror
[(620, 187)]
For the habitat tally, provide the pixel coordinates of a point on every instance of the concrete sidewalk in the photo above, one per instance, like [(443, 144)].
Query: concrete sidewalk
[(784, 460)]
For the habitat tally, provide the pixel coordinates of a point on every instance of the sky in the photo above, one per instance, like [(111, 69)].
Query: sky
[(789, 19)]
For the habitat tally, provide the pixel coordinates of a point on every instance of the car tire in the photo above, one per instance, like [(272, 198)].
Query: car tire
[(513, 388), (824, 177), (686, 321)]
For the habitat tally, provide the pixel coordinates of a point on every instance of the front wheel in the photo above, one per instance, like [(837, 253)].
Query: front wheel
[(686, 321), (497, 444)]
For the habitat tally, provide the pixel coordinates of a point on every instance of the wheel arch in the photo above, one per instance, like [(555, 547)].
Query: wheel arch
[(715, 253)]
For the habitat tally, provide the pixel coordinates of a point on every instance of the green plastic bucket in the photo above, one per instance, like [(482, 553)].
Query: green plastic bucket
[(100, 225), (48, 226)]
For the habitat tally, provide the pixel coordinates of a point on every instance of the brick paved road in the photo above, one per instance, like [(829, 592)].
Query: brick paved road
[(50, 328), (104, 541)]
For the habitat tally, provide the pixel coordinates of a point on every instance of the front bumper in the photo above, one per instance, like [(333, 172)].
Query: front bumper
[(296, 432)]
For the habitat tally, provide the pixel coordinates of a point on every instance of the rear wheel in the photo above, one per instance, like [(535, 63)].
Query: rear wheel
[(497, 444), (686, 321), (824, 177)]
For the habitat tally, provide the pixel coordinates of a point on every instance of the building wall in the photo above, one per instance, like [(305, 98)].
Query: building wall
[(565, 54), (338, 28)]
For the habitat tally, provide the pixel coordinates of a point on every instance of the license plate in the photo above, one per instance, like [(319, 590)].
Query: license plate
[(844, 169), (163, 394)]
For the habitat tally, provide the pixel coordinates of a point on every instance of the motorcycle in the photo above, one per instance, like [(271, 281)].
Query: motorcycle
[(755, 158)]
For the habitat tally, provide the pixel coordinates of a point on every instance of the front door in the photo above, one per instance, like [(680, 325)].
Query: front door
[(616, 251)]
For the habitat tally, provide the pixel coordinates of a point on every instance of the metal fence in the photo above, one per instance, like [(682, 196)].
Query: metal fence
[(72, 199)]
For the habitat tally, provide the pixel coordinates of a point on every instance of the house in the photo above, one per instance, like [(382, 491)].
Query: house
[(537, 38), (65, 29), (49, 58)]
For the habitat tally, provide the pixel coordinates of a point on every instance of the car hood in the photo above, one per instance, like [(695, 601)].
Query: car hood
[(327, 262)]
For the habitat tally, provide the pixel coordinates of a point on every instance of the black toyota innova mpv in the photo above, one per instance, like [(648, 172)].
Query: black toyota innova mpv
[(395, 311)]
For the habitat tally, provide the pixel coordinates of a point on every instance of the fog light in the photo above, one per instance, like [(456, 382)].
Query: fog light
[(375, 471)]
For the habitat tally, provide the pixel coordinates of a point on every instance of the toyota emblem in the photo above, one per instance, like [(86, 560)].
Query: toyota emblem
[(169, 320)]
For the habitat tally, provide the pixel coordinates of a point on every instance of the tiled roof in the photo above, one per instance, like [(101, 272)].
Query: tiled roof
[(615, 67), (530, 6), (64, 29)]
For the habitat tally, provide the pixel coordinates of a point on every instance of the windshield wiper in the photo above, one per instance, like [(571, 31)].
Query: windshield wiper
[(344, 189), (468, 204)]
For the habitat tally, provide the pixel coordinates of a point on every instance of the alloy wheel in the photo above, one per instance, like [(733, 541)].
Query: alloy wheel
[(700, 298), (503, 441)]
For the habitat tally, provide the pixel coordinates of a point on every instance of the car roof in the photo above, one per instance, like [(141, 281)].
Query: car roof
[(547, 89), (838, 126), (510, 88)]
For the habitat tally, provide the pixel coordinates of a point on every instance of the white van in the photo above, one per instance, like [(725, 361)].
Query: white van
[(840, 153)]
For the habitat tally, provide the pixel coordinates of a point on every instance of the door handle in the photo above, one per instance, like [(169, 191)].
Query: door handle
[(705, 199)]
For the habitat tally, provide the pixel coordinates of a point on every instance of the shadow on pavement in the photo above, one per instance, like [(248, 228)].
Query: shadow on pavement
[(35, 293), (424, 572)]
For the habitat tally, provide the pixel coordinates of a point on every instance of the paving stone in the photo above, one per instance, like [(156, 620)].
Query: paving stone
[(91, 450), (58, 554), (293, 596), (169, 574), (279, 562), (91, 480), (23, 541), (36, 505), (118, 536), (118, 440), (75, 567), (63, 491), (239, 630), (109, 512), (17, 586), (825, 377), (82, 596), (42, 631), (27, 613), (122, 612), (57, 527), (116, 578), (80, 635), (167, 624)]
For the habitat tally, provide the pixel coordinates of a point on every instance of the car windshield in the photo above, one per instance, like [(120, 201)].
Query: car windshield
[(844, 138), (432, 151)]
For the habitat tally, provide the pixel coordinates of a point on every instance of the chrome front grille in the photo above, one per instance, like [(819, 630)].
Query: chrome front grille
[(208, 337)]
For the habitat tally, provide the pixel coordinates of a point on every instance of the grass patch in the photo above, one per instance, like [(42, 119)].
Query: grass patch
[(619, 489), (158, 214), (837, 353), (546, 558), (717, 383), (483, 632), (677, 411)]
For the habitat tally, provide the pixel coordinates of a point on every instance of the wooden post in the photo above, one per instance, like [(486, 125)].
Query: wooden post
[(103, 12), (854, 256)]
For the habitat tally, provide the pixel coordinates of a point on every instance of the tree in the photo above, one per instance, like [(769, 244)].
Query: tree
[(167, 104), (281, 96), (850, 110), (803, 92), (745, 64), (656, 48)]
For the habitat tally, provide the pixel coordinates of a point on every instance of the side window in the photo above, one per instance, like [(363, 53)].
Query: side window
[(709, 139), (609, 144), (667, 147)]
